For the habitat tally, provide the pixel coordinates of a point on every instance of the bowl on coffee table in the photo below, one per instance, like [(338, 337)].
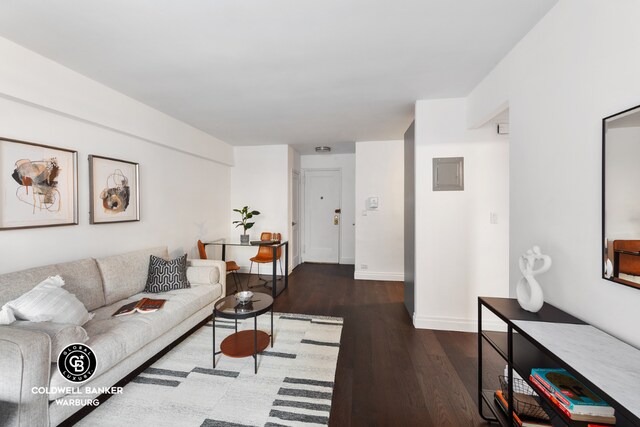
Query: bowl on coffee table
[(244, 297)]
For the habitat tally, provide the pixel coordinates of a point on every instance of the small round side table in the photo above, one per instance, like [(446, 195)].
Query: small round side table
[(244, 343)]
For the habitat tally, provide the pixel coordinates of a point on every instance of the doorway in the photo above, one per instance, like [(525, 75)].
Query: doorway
[(295, 219), (322, 200)]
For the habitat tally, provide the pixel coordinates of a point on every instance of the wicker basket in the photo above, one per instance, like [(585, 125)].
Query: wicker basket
[(523, 403)]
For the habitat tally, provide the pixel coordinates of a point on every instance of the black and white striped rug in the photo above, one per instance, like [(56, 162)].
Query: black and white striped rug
[(293, 386)]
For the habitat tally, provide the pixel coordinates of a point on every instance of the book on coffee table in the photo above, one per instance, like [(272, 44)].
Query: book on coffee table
[(145, 305)]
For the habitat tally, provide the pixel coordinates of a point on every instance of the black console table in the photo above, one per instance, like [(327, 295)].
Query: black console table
[(552, 338)]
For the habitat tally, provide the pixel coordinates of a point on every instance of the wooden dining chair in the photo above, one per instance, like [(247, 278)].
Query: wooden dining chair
[(265, 255), (232, 267)]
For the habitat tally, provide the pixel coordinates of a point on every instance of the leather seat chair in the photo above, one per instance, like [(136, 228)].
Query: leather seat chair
[(232, 267), (265, 254)]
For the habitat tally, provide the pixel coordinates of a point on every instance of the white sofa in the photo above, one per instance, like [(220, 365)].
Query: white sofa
[(121, 344)]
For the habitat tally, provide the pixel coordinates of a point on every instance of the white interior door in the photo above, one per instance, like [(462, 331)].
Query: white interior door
[(322, 215), (295, 220)]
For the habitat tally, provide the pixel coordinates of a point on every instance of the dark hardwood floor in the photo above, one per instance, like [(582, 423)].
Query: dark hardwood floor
[(388, 373)]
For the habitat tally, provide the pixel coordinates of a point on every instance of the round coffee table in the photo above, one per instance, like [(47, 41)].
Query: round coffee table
[(244, 343)]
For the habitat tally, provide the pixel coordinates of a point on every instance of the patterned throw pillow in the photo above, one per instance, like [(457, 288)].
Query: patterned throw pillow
[(167, 275)]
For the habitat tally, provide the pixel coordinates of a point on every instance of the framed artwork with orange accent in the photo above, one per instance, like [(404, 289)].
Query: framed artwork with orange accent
[(114, 190), (38, 185)]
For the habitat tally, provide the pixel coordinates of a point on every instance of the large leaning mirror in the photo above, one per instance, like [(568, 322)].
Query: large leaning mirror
[(620, 201)]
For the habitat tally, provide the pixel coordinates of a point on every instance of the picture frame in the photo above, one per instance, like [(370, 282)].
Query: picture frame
[(38, 185), (114, 190)]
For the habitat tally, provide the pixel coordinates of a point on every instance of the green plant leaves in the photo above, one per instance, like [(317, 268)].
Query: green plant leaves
[(246, 215)]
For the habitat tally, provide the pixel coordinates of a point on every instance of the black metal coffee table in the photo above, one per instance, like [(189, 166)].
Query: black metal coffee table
[(244, 343)]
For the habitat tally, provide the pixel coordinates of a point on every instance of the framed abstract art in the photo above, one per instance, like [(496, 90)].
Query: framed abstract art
[(38, 185), (113, 190)]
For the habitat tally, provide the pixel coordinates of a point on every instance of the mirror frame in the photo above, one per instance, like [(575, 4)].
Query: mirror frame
[(604, 173)]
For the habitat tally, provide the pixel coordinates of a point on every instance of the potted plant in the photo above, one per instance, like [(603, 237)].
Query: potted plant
[(246, 214)]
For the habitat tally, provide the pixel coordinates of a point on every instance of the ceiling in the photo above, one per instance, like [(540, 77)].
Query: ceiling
[(297, 72)]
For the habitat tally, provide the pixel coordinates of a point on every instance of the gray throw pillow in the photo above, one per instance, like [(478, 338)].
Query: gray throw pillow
[(167, 275), (61, 334)]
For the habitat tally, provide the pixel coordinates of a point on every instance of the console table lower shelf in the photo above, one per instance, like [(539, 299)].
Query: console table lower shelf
[(552, 338)]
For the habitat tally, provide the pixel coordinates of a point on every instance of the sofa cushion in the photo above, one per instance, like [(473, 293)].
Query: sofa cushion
[(113, 339), (61, 334), (167, 275), (200, 271), (126, 274), (203, 275), (81, 278), (48, 301)]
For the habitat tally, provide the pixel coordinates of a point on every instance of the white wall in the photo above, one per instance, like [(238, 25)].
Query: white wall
[(347, 164), (380, 232), (574, 68), (32, 79), (184, 184), (460, 255), (260, 180)]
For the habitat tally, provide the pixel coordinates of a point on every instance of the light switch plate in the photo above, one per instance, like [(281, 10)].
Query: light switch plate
[(372, 203)]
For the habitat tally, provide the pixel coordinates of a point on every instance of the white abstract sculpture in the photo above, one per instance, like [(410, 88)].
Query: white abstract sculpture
[(528, 291)]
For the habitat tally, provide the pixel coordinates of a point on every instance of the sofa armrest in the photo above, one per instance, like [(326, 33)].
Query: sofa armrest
[(25, 363), (207, 272)]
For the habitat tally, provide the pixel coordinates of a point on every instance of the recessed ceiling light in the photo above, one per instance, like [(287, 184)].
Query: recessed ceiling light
[(323, 149)]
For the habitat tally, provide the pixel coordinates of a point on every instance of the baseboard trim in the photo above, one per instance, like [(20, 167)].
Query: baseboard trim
[(458, 324), (347, 260), (263, 271), (378, 275)]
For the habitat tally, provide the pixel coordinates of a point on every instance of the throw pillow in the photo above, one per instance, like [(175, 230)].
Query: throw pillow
[(49, 302), (167, 275), (61, 334), (6, 315)]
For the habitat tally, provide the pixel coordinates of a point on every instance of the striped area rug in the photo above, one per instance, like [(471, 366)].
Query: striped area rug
[(293, 386)]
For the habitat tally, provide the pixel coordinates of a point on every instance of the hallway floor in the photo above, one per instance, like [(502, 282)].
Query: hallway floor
[(389, 373)]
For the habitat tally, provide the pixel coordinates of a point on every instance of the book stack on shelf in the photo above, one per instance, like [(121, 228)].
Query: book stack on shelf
[(527, 411), (572, 397)]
